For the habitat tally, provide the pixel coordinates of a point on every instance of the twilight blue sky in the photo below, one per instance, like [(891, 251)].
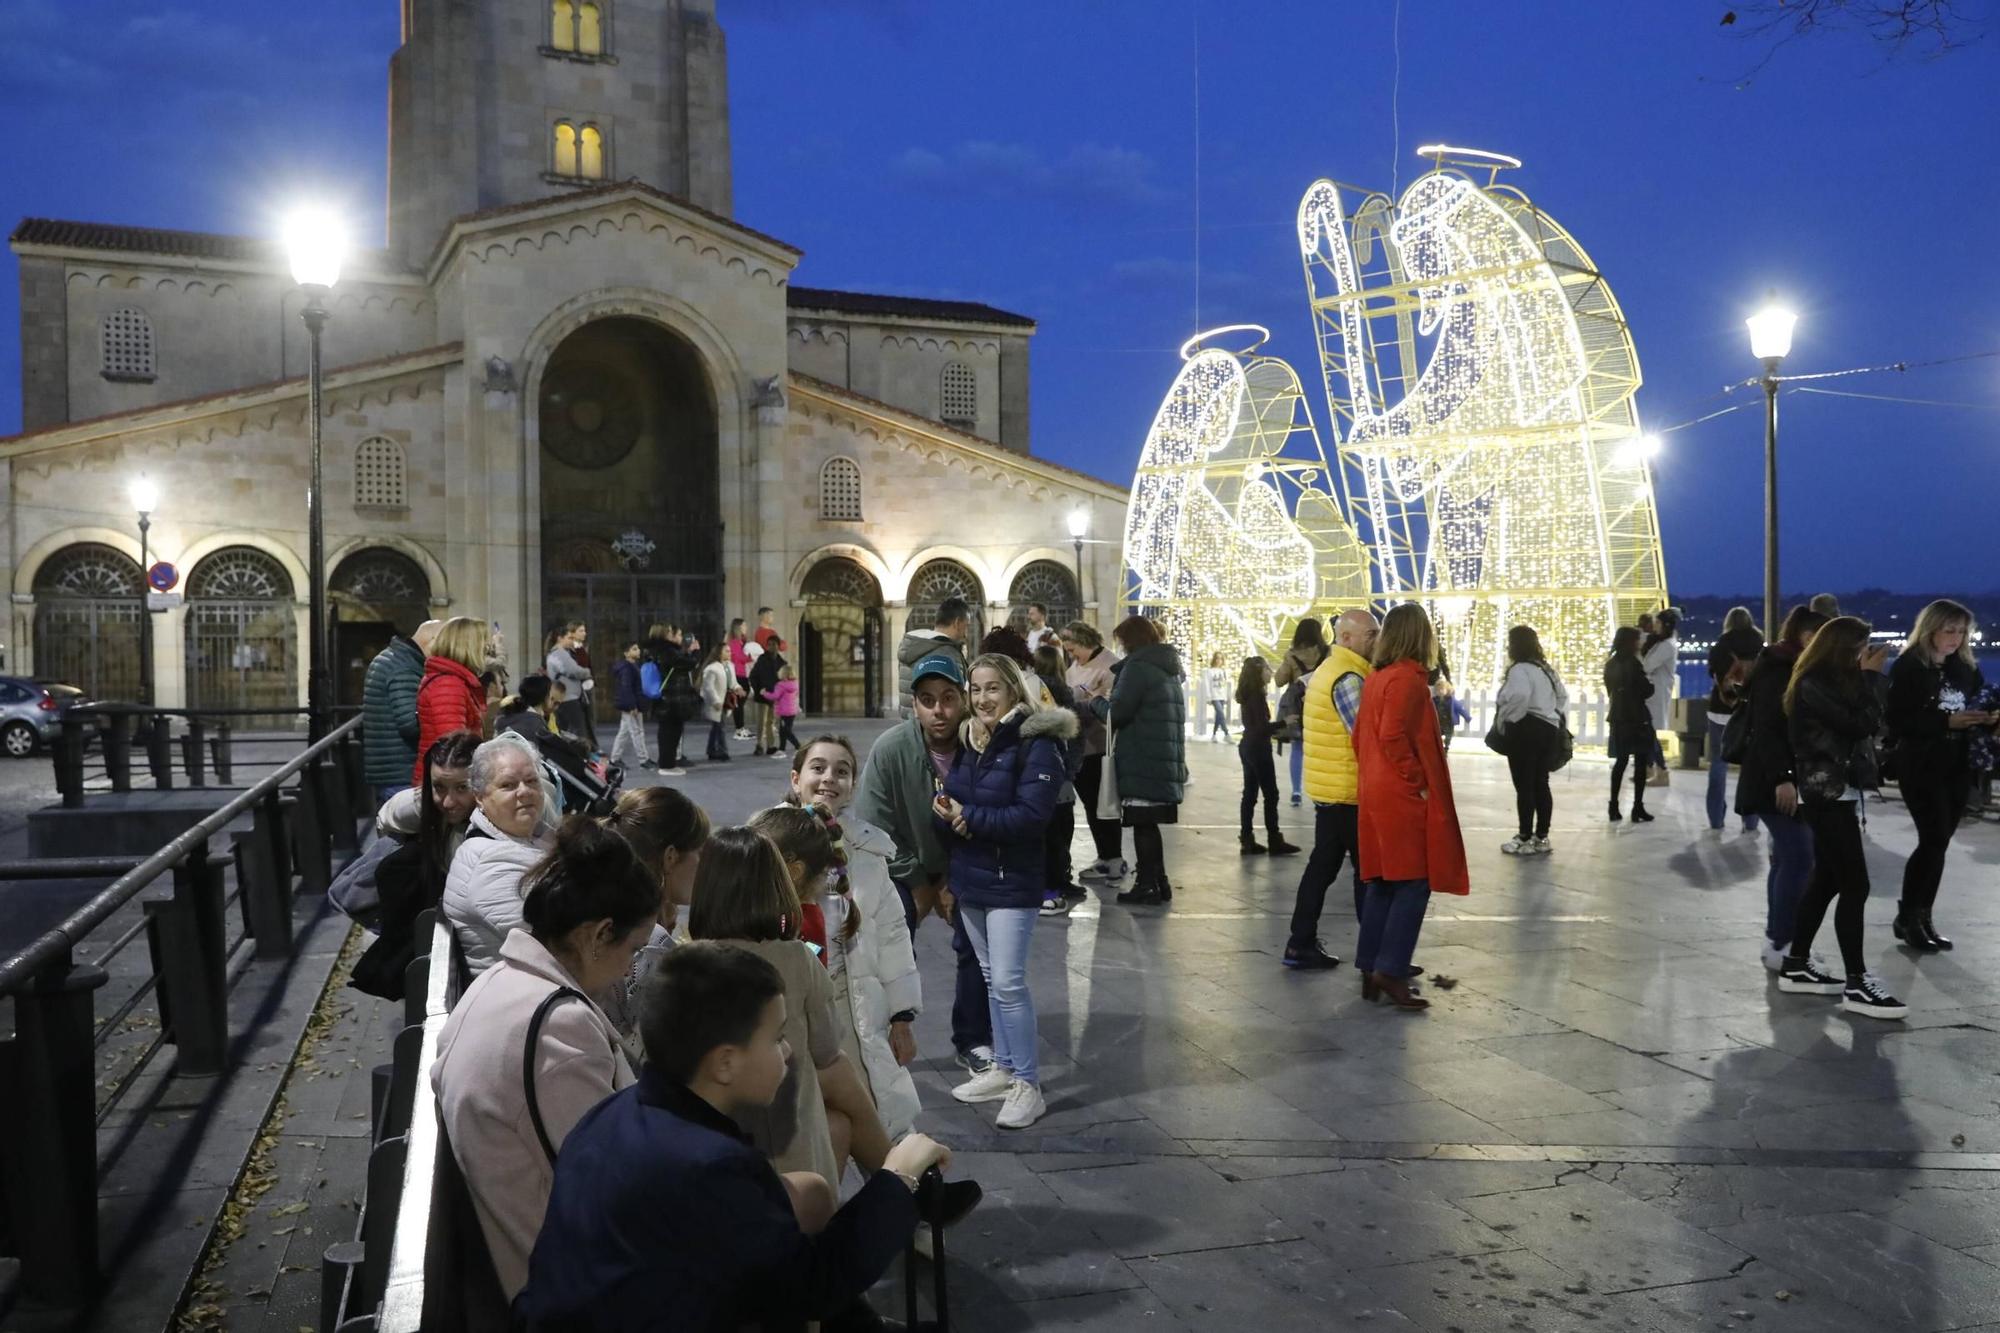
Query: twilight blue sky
[(1041, 155)]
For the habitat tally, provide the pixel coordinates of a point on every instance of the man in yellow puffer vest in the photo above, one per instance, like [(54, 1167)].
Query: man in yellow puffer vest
[(1332, 696)]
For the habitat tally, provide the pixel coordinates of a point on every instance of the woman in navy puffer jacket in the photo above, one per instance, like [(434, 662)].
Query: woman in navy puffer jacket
[(997, 802)]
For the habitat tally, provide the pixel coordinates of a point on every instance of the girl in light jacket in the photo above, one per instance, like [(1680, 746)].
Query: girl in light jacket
[(1407, 826), (1530, 709), (875, 980), (716, 681), (588, 909)]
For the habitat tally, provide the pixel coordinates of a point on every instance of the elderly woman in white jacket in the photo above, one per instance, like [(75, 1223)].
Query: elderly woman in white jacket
[(1529, 712), (510, 832), (588, 910)]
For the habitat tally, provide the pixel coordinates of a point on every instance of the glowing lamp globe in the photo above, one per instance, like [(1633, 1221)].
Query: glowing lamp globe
[(1771, 333), (145, 495), (1079, 523), (316, 243)]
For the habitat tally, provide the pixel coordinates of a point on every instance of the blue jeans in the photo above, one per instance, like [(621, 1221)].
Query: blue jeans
[(1391, 915), (1718, 777), (1000, 936), (1791, 867), (1298, 770), (1221, 708)]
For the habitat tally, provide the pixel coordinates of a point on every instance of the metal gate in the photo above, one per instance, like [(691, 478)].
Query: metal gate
[(618, 608), (242, 637), (91, 643)]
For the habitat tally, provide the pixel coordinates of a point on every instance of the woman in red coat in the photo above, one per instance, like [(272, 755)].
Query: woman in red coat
[(1408, 827), (451, 698)]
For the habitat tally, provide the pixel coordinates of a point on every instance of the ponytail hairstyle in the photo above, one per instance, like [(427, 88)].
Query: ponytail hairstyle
[(810, 835), (591, 874), (741, 889), (654, 820), (1835, 653)]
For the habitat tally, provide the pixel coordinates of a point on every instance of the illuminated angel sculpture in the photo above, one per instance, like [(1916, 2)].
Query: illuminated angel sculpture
[(1480, 377), (1233, 531)]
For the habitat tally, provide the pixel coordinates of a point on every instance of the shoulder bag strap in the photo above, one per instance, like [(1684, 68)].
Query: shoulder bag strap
[(549, 1001)]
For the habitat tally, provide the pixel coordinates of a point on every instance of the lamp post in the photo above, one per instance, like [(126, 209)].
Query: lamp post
[(1079, 526), (1770, 342), (145, 496), (317, 245)]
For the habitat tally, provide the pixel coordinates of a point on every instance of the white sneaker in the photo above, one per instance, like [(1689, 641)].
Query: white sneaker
[(1024, 1106), (990, 1086), (673, 772), (1542, 847), (1518, 846), (1106, 870), (742, 735)]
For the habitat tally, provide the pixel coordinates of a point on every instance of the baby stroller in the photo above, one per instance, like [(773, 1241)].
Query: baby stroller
[(587, 785)]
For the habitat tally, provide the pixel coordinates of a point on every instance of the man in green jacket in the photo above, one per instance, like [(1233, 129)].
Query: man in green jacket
[(389, 711), (905, 771)]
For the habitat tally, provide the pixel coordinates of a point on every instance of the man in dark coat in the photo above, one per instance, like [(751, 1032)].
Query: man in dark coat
[(389, 711), (664, 1216)]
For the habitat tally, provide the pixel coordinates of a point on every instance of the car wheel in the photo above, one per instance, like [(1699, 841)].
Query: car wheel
[(17, 740)]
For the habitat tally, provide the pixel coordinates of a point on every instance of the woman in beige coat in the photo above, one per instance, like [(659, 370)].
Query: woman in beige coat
[(590, 906)]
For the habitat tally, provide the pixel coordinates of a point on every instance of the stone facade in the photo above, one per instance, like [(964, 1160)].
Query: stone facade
[(496, 441)]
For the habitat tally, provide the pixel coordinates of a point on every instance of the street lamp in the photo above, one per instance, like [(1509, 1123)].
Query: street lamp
[(145, 498), (316, 244), (1771, 342), (1079, 526)]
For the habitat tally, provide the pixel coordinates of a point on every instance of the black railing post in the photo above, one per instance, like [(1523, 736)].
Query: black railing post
[(278, 808), (353, 770), (69, 761), (160, 751), (267, 897), (118, 752), (339, 803), (187, 932), (49, 1150), (309, 834), (225, 756), (192, 752)]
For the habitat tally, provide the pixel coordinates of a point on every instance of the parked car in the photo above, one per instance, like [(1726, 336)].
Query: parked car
[(31, 713)]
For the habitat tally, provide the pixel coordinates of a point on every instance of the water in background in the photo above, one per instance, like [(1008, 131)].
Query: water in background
[(1695, 681)]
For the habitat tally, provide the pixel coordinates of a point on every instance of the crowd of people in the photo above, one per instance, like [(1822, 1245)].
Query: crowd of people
[(662, 1008)]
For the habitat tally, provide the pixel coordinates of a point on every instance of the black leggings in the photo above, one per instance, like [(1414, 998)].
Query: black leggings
[(1935, 807), (1260, 774), (1840, 872), (1152, 856), (1529, 743), (1055, 849), (672, 725), (786, 736), (1638, 779)]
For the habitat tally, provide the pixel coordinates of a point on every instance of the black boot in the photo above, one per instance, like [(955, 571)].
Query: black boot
[(1143, 893), (1640, 815), (1248, 844), (1279, 847), (1909, 928), (1937, 941), (1616, 813)]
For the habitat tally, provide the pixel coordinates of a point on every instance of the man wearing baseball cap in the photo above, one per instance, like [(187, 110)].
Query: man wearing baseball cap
[(905, 770)]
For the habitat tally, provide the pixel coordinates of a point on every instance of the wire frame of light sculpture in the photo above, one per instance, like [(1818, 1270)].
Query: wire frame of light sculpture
[(1480, 377), (1234, 531)]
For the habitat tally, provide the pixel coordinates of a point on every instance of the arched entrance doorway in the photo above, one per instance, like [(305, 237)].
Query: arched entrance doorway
[(936, 580), (377, 593), (87, 621), (1051, 584), (631, 507), (242, 636), (840, 640)]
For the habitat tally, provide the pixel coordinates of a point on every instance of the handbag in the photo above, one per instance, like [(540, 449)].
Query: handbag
[(1109, 808), (1735, 747), (1496, 737), (1563, 748)]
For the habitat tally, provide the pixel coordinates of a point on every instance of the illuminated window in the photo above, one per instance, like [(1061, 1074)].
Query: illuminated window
[(380, 480), (840, 490), (959, 396), (128, 346), (565, 160), (589, 30), (562, 25), (593, 154)]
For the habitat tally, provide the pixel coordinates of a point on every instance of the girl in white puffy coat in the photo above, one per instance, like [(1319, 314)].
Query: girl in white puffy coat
[(875, 970)]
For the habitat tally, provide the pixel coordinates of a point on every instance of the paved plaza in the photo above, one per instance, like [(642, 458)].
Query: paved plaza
[(1612, 1121)]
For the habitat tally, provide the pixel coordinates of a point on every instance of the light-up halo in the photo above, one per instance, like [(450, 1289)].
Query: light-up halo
[(1194, 344)]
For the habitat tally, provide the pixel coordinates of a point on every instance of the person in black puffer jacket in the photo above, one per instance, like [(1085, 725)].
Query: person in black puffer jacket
[(1729, 663), (1767, 788), (1932, 718), (1630, 722), (996, 804), (1833, 709), (1147, 711)]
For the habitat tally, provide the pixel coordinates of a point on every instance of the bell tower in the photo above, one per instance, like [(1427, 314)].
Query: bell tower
[(495, 102)]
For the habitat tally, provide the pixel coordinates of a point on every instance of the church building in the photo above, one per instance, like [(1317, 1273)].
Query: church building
[(572, 387)]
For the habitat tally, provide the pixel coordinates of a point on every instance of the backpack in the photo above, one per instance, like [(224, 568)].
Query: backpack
[(1735, 746), (649, 678), (1292, 711)]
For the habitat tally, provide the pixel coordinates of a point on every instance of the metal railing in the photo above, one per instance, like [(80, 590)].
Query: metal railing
[(50, 1151), (132, 741)]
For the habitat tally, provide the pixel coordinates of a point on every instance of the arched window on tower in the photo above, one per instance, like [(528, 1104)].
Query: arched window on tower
[(591, 155), (562, 25), (958, 396), (564, 163), (128, 346), (589, 30), (380, 475), (840, 490)]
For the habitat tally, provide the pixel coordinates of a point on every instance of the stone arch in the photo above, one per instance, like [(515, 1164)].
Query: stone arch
[(198, 551), (936, 578), (374, 593), (842, 649), (860, 555), (438, 583), (87, 619), (900, 588), (28, 569), (1050, 582), (243, 632)]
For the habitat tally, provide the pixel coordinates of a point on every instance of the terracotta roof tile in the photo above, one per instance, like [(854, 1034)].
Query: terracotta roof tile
[(909, 307), (66, 235)]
